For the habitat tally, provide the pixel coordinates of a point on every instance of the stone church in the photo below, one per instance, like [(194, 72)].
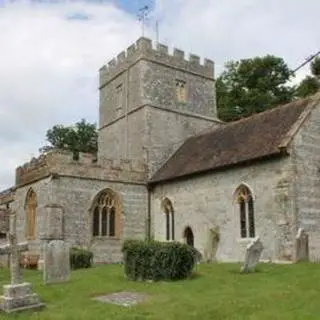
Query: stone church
[(169, 169)]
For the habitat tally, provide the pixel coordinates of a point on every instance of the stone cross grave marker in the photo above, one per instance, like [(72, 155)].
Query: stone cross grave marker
[(302, 245), (13, 249), (56, 262), (18, 295), (253, 255)]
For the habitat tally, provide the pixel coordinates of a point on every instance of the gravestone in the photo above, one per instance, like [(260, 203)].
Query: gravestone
[(302, 245), (56, 262), (253, 255), (51, 228), (18, 295), (211, 248), (124, 298)]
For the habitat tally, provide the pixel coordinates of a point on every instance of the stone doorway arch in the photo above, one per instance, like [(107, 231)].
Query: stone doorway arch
[(188, 236)]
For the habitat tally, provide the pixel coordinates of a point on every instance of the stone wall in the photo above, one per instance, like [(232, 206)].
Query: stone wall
[(306, 153), (44, 195), (207, 201), (135, 118), (166, 131), (62, 163), (154, 133), (159, 89), (75, 196), (125, 137)]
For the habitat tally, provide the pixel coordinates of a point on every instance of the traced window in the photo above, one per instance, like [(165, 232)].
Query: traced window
[(104, 215), (246, 212), (31, 208), (169, 213), (181, 91), (119, 96)]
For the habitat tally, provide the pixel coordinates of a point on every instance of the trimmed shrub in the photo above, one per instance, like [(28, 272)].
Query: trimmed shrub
[(154, 260), (80, 258)]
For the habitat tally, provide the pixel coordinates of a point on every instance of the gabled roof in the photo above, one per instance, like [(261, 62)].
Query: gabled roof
[(259, 136)]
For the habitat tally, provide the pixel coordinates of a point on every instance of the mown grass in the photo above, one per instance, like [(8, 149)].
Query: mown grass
[(215, 292)]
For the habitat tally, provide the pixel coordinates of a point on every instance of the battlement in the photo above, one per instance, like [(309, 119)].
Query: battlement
[(64, 163), (7, 196), (144, 48)]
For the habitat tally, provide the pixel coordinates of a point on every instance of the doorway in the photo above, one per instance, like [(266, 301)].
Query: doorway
[(189, 237)]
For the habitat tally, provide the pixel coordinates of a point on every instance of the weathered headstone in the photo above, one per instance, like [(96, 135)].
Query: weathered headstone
[(56, 262), (18, 295), (51, 228), (126, 299), (213, 238), (253, 255), (302, 245)]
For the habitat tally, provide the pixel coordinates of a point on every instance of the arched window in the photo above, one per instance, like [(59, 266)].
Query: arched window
[(168, 211), (31, 208), (105, 218), (246, 211)]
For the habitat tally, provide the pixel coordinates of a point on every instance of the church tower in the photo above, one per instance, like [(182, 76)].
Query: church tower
[(151, 101)]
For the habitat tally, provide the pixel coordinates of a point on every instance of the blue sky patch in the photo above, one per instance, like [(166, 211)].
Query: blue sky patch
[(82, 16), (133, 6)]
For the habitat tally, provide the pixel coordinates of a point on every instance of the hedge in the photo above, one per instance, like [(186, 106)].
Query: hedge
[(80, 258), (154, 260)]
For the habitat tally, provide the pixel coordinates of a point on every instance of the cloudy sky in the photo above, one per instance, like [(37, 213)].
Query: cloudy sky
[(50, 53)]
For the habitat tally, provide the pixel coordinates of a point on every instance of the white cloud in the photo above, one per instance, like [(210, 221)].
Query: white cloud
[(49, 62)]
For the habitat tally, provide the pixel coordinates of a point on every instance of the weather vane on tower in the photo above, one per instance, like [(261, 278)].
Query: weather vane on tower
[(143, 17)]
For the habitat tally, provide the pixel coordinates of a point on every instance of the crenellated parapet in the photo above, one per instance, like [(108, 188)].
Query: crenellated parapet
[(64, 163), (31, 171), (7, 196), (144, 48)]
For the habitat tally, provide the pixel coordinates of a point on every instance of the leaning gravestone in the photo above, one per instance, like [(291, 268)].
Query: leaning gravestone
[(302, 246), (18, 295), (56, 262), (253, 255)]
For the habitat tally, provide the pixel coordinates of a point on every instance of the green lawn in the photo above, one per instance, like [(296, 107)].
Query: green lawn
[(216, 292)]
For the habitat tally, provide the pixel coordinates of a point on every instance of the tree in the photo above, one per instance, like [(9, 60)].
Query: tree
[(310, 84), (315, 67), (252, 85), (82, 137)]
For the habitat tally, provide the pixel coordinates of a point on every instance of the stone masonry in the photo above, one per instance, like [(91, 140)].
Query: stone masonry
[(208, 201), (148, 123), (306, 160), (73, 185)]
